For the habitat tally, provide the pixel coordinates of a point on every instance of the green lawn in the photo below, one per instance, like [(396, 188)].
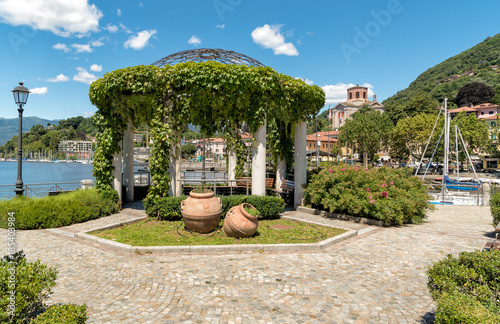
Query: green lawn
[(163, 233)]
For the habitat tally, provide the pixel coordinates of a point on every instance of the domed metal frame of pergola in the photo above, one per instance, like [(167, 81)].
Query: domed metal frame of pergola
[(207, 54)]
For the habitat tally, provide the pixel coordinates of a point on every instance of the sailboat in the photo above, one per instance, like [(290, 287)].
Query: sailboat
[(453, 192)]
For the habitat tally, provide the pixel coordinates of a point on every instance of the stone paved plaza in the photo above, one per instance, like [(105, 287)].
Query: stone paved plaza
[(376, 277)]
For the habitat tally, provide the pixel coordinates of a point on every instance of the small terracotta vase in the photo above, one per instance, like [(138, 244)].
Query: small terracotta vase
[(201, 211), (239, 223)]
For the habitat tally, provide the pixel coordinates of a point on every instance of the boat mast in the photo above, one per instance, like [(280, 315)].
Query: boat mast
[(446, 144)]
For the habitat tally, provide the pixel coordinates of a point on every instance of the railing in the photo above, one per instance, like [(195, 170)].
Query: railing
[(457, 197), (215, 183), (37, 190)]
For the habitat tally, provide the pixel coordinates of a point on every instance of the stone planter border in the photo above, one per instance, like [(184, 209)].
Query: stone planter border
[(354, 219), (208, 248)]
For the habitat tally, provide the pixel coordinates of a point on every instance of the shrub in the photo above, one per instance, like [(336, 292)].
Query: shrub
[(466, 288), (68, 314), (269, 207), (33, 284), (391, 195), (169, 208), (57, 211), (495, 208)]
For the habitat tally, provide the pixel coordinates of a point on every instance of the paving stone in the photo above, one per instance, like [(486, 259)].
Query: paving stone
[(376, 277)]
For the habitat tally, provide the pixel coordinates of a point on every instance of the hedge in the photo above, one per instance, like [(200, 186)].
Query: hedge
[(61, 210), (495, 208), (25, 286), (68, 314), (169, 208), (467, 288)]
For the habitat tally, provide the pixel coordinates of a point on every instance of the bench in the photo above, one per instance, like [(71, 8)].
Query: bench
[(285, 191), (269, 182), (495, 243)]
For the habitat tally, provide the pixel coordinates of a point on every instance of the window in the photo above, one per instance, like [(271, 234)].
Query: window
[(493, 136), (364, 95), (491, 112), (482, 112), (350, 95), (357, 95)]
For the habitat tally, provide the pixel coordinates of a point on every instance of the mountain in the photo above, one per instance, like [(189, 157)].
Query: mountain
[(479, 63), (10, 126)]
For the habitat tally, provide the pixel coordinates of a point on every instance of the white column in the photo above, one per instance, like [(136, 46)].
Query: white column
[(259, 162), (117, 165), (128, 161), (300, 163), (86, 184), (174, 167), (231, 167), (280, 172)]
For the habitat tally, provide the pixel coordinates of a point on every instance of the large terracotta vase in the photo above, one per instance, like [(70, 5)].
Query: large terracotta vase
[(201, 211), (239, 223)]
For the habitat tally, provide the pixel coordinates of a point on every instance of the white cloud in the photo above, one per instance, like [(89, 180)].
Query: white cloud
[(125, 28), (112, 28), (62, 47), (88, 113), (96, 68), (82, 48), (141, 4), (338, 92), (63, 18), (60, 78), (194, 40), (220, 26), (270, 37), (98, 42), (140, 41), (118, 12), (39, 91), (307, 81), (84, 76)]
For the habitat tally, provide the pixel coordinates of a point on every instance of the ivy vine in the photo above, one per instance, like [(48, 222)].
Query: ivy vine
[(214, 96)]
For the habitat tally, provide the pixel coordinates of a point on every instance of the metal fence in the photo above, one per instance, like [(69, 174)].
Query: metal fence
[(456, 197), (37, 190)]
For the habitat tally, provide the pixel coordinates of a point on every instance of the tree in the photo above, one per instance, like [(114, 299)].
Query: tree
[(422, 102), (496, 98), (411, 135), (367, 131), (474, 93), (475, 133), (188, 150)]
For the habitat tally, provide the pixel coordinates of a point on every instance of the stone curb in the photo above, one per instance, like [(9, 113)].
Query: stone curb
[(354, 219), (207, 248)]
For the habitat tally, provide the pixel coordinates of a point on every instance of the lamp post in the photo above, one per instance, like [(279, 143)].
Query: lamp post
[(20, 97)]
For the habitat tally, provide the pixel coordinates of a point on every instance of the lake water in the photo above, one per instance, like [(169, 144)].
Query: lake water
[(41, 172)]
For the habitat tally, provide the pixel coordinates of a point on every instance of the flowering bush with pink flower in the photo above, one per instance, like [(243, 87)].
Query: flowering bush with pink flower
[(391, 195)]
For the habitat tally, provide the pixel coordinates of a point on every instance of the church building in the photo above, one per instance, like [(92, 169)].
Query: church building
[(357, 97)]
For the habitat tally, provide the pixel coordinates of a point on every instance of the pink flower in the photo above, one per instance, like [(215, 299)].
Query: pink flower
[(342, 170), (372, 201), (370, 197), (366, 169), (367, 189), (384, 194), (330, 170), (391, 183), (383, 185)]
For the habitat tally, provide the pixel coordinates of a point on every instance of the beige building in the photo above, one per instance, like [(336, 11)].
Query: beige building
[(357, 97)]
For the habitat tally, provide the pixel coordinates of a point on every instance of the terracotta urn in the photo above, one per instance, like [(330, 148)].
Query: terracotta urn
[(239, 223), (201, 211)]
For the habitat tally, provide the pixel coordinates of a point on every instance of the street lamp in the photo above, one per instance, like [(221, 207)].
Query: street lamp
[(20, 97)]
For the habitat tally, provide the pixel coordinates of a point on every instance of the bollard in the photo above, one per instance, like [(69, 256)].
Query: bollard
[(87, 184)]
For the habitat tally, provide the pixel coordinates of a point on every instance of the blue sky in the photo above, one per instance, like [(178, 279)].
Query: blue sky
[(58, 47)]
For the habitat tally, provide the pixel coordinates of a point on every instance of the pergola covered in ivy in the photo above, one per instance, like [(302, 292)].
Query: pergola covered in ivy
[(215, 90)]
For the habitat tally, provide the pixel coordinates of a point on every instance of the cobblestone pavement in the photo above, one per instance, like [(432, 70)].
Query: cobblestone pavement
[(376, 277)]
